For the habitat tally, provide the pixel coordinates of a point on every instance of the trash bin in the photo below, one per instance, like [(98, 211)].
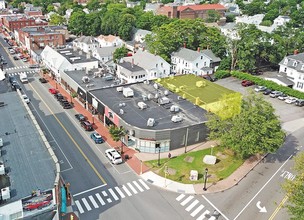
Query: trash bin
[(127, 157)]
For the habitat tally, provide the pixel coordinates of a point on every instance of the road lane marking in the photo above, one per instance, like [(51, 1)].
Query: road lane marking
[(210, 203), (100, 199), (179, 198), (93, 202), (126, 190), (72, 139), (197, 210), (187, 200), (113, 194), (144, 184), (278, 208), (132, 188), (188, 209), (203, 215), (79, 206), (138, 186), (97, 187), (263, 187), (86, 204), (109, 200), (119, 192)]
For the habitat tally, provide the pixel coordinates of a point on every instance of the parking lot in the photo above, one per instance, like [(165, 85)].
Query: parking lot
[(286, 112)]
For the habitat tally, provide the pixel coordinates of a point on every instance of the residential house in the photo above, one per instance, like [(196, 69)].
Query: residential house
[(104, 54), (186, 61), (191, 11), (230, 30), (2, 4), (292, 67), (109, 41), (67, 59), (142, 66), (140, 34), (256, 19), (281, 20), (152, 7), (85, 43)]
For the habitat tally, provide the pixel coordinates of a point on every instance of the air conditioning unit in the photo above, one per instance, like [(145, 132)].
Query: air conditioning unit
[(119, 89), (142, 105), (2, 169), (174, 108), (150, 122), (121, 111), (176, 118), (5, 193)]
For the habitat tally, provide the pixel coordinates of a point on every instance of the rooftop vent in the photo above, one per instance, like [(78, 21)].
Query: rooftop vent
[(119, 89), (166, 92), (150, 122), (121, 111), (155, 86), (85, 79), (122, 104), (5, 193), (2, 169), (176, 118), (142, 105), (174, 108), (75, 58)]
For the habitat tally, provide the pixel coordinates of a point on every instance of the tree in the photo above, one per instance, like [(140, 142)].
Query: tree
[(77, 22), (93, 5), (56, 19), (255, 130), (117, 133), (119, 53), (126, 24), (213, 16), (295, 189)]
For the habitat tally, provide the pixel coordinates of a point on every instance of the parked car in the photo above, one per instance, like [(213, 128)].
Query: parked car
[(58, 96), (97, 138), (209, 78), (113, 156), (267, 91), (4, 62), (246, 83), (53, 91), (80, 117), (275, 94), (42, 80), (63, 102), (36, 205), (16, 86), (16, 58), (299, 102), (282, 97), (24, 59), (67, 105), (34, 66), (290, 100), (87, 125), (260, 88), (26, 99)]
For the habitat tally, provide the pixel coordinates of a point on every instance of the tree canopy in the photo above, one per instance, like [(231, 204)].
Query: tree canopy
[(255, 130)]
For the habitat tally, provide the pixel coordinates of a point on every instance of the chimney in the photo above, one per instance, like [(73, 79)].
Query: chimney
[(80, 52), (198, 49), (296, 51), (132, 64), (184, 44), (89, 55)]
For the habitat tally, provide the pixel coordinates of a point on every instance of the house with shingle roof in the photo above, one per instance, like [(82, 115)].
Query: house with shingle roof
[(109, 41), (200, 62), (142, 66), (104, 54), (85, 43), (292, 67)]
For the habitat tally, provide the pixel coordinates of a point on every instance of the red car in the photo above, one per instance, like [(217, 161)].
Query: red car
[(246, 83), (53, 91), (37, 205)]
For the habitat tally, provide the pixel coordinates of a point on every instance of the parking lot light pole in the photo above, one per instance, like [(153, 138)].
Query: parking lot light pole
[(206, 175)]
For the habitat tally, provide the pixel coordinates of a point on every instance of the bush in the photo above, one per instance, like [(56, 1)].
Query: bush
[(222, 74)]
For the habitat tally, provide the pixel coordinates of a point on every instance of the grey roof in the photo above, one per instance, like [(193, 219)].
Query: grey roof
[(42, 30), (142, 32), (230, 26), (86, 39), (191, 55), (299, 58), (133, 116), (30, 165), (106, 51), (71, 54)]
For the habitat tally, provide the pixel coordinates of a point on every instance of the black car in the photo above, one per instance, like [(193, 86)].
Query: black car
[(16, 58), (87, 125), (80, 117), (59, 96), (64, 102), (67, 106), (267, 91), (12, 79), (299, 102), (42, 80), (16, 86), (4, 62)]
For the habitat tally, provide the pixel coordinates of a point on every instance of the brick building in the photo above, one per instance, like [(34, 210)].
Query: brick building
[(191, 11), (30, 10), (15, 22), (37, 37)]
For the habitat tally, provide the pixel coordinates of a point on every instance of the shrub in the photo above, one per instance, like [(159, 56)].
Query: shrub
[(222, 74)]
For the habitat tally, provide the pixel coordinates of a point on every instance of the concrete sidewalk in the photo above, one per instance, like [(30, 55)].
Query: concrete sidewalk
[(136, 159)]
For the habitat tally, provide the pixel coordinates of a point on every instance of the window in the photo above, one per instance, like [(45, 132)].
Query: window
[(300, 85), (196, 65), (295, 63), (285, 69), (205, 64), (161, 64), (201, 57), (197, 136), (286, 61)]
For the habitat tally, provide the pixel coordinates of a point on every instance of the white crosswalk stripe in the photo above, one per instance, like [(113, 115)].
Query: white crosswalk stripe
[(79, 206), (186, 200), (197, 210), (86, 204), (93, 202), (119, 192), (191, 206), (179, 198), (138, 186), (206, 212), (109, 195)]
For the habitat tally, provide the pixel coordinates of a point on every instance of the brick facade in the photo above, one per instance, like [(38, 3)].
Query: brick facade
[(13, 23)]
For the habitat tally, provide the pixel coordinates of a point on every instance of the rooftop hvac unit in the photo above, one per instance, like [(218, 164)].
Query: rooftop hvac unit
[(149, 96), (179, 98), (5, 193), (85, 79), (2, 169), (150, 122), (166, 92), (122, 104), (119, 89), (174, 108), (109, 77), (145, 98), (142, 105), (121, 111), (128, 92), (163, 100), (155, 86), (156, 96), (176, 118)]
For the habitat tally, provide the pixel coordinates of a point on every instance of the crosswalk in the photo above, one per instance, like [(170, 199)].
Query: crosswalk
[(110, 195), (17, 67), (18, 73), (194, 207)]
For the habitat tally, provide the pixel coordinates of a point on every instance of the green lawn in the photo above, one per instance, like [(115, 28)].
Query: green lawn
[(225, 166)]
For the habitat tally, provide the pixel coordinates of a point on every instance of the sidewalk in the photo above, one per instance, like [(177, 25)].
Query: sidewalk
[(136, 159)]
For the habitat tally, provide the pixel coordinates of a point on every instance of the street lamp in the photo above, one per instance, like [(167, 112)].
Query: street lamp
[(140, 167), (206, 175), (93, 116), (158, 154)]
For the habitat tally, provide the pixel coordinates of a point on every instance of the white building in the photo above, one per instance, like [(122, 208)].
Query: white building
[(140, 34), (186, 61), (142, 66), (104, 54), (281, 20), (2, 4), (85, 43), (109, 41), (293, 67)]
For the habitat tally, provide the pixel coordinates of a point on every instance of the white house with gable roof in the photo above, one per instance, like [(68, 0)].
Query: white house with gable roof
[(185, 61), (109, 41), (85, 43), (142, 66)]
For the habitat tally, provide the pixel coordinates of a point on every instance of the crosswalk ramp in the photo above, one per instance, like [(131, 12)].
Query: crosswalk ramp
[(110, 195), (194, 207), (18, 73)]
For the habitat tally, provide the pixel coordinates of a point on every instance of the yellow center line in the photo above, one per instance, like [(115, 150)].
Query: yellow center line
[(278, 208), (72, 139)]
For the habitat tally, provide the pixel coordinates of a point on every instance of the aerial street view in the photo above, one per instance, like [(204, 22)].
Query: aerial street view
[(151, 110)]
